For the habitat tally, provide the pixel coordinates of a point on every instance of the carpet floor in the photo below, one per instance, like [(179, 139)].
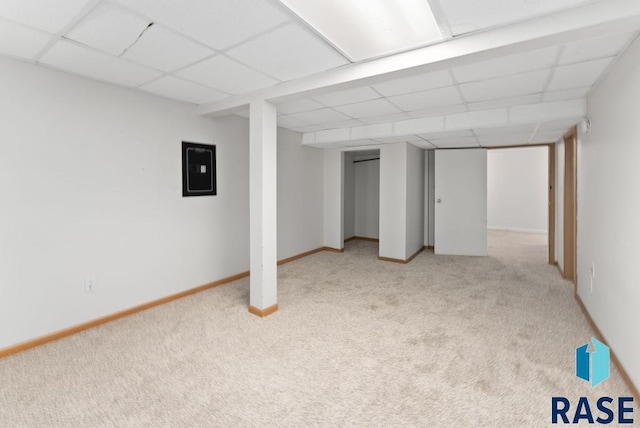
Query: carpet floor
[(441, 341)]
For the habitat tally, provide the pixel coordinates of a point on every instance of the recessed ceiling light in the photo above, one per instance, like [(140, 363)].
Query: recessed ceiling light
[(364, 29)]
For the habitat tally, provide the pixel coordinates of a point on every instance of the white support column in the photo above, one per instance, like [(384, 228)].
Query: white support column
[(333, 199), (393, 202), (263, 298)]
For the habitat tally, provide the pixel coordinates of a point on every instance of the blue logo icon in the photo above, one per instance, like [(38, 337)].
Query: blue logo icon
[(593, 366)]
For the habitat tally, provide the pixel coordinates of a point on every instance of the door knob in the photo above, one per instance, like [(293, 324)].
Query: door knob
[(439, 200)]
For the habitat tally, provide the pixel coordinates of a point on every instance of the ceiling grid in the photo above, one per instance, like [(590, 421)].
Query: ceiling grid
[(208, 52)]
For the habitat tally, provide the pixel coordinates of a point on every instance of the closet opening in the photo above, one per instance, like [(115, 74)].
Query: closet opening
[(362, 201)]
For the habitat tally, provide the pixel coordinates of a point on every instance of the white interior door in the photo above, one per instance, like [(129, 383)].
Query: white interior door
[(461, 202)]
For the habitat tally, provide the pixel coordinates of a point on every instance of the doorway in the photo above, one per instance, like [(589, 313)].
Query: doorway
[(519, 219), (570, 202), (362, 197)]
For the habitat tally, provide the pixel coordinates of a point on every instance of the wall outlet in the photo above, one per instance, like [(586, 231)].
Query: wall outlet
[(89, 283)]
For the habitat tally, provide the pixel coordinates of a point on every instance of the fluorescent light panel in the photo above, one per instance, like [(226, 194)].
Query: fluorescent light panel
[(364, 29)]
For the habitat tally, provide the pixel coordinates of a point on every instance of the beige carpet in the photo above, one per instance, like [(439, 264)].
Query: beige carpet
[(517, 246), (442, 341)]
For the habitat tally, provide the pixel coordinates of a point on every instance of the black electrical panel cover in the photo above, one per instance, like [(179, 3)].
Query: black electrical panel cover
[(198, 169)]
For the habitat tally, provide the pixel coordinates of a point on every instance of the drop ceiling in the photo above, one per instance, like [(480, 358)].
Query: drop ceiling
[(205, 51)]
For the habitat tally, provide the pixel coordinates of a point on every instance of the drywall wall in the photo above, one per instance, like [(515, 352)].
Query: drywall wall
[(90, 184), (333, 198), (560, 204), (349, 196), (429, 196), (517, 195), (91, 179), (415, 200), (300, 195), (367, 198), (609, 210), (393, 200)]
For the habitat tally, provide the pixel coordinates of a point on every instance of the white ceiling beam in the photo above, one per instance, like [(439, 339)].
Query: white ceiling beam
[(591, 20), (518, 115)]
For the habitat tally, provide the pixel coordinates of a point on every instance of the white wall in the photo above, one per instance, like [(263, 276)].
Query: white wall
[(349, 196), (517, 195), (367, 199), (300, 195), (333, 198), (90, 184), (609, 210), (429, 197), (415, 200)]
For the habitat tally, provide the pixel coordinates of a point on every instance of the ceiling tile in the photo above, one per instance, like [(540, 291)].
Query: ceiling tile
[(291, 122), (21, 41), (348, 96), (432, 99), (465, 16), (585, 50), (298, 106), (51, 16), (567, 94), (165, 50), (400, 139), (546, 137), (423, 125), (219, 24), (310, 128), (325, 115), (385, 118), (505, 66), (512, 129), (96, 29), (423, 82), (578, 75), (324, 145), (226, 75), (476, 119), (447, 134), (505, 87), (548, 110), (556, 126), (505, 102), (97, 65), (288, 53), (504, 139), (423, 145), (368, 109), (373, 131), (342, 124), (438, 111), (330, 135), (455, 142), (179, 89)]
